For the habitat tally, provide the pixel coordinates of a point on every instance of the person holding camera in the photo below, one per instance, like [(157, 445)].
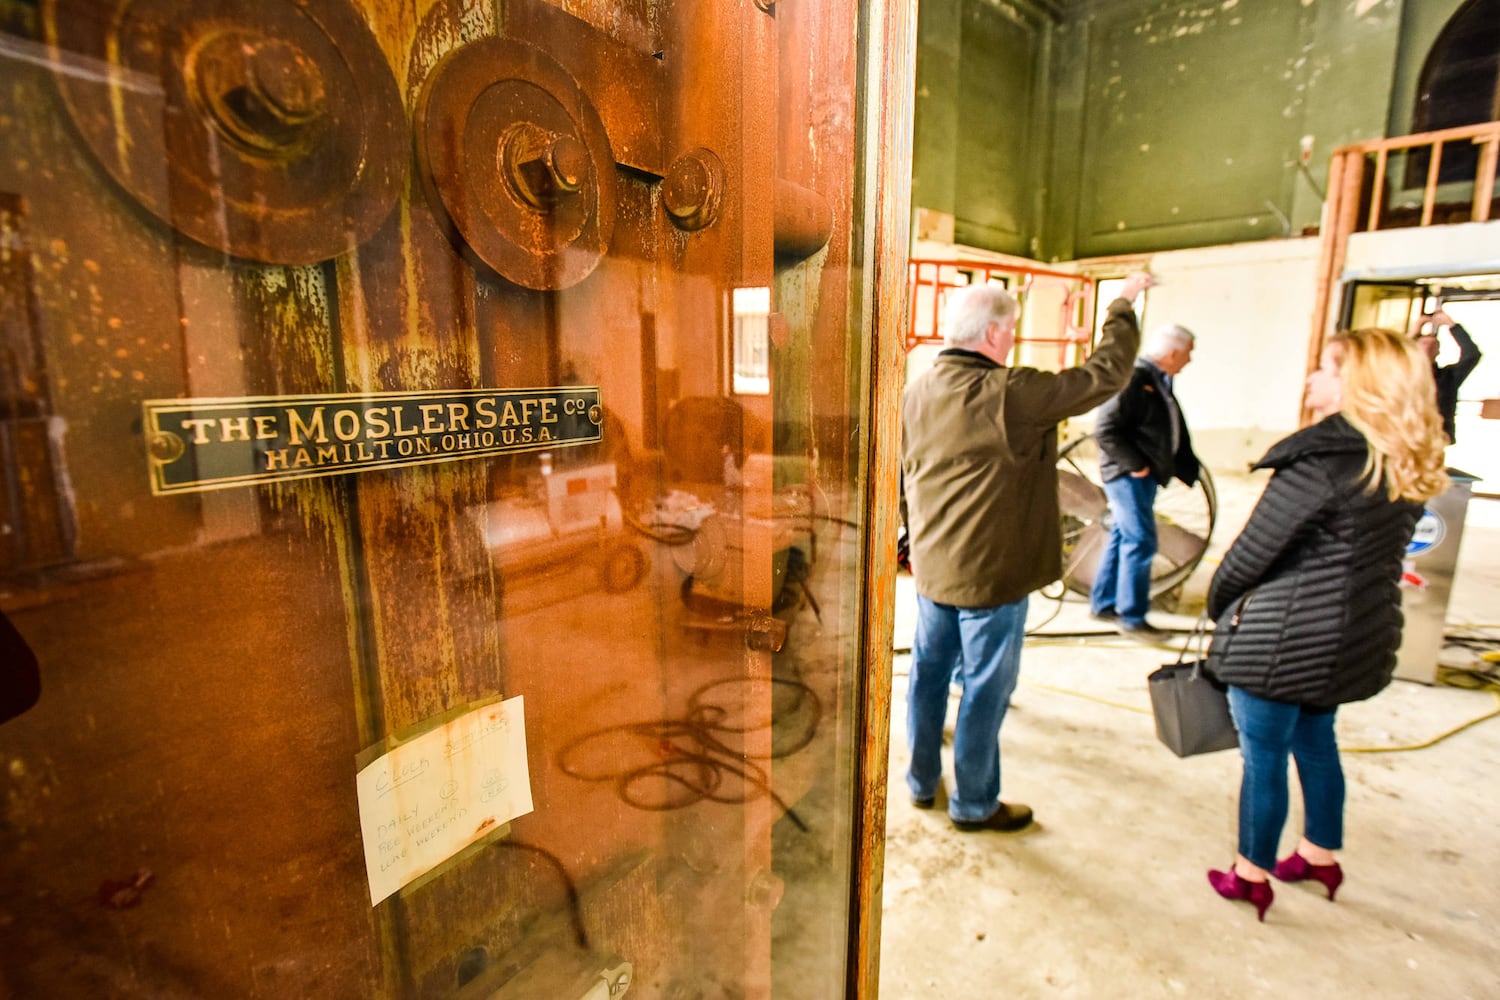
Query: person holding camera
[(1446, 379)]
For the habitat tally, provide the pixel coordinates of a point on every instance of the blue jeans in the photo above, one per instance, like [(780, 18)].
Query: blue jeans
[(1123, 581), (985, 646), (1269, 732)]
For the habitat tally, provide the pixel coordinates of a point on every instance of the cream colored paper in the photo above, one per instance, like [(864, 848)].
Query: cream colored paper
[(432, 796)]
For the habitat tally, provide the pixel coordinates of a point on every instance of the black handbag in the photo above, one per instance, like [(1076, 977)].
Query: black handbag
[(1191, 707)]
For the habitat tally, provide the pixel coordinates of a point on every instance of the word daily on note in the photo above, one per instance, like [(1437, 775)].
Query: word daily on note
[(434, 795)]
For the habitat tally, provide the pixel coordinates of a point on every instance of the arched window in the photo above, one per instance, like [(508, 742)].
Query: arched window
[(1459, 85)]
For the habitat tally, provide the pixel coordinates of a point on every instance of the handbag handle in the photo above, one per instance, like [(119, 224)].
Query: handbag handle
[(1199, 635)]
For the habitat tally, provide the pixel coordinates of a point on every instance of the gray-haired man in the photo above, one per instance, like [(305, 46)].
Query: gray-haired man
[(1143, 444), (979, 475)]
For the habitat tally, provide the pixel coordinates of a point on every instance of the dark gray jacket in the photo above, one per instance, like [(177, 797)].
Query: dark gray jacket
[(1134, 432), (1307, 602)]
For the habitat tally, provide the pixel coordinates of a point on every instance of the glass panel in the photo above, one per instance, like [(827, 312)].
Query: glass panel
[(752, 313), (433, 494), (1102, 288), (1392, 307)]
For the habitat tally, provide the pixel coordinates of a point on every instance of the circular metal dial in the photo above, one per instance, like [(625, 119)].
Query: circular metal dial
[(272, 131), (517, 163)]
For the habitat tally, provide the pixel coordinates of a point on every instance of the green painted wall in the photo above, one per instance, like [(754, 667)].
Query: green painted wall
[(982, 128), (1002, 128), (1190, 117), (935, 128), (1348, 72), (1123, 126)]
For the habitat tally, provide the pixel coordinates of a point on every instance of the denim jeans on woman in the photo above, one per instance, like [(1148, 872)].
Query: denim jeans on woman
[(1270, 731), (985, 646), (1123, 581)]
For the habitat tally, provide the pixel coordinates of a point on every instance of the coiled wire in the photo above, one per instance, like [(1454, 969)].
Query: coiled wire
[(695, 757)]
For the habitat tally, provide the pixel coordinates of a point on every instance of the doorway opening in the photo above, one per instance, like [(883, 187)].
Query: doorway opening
[(1473, 301)]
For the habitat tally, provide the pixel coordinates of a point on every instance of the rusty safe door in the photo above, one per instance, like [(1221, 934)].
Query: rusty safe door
[(437, 445)]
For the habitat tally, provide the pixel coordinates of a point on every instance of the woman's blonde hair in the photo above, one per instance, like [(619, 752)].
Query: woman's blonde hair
[(1389, 397)]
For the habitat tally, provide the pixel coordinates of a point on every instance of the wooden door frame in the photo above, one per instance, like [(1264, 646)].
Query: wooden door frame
[(887, 53)]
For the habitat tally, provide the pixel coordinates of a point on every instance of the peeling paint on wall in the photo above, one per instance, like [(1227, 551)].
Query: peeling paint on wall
[(1219, 94)]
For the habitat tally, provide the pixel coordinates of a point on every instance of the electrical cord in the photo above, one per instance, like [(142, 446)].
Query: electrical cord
[(1470, 678), (1466, 678), (1468, 640), (1089, 697), (661, 531), (575, 908), (1436, 739), (1403, 748), (1117, 641), (1062, 593), (693, 756)]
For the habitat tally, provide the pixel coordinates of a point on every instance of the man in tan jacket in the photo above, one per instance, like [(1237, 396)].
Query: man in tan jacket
[(979, 470)]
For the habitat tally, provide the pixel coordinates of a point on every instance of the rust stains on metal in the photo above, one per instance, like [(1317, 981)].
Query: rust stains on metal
[(693, 189), (804, 220), (619, 72), (541, 211), (276, 135)]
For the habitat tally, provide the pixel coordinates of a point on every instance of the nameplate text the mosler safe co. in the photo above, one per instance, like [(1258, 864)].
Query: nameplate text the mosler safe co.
[(207, 444)]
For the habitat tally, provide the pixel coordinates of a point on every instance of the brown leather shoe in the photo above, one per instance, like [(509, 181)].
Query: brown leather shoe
[(1009, 818)]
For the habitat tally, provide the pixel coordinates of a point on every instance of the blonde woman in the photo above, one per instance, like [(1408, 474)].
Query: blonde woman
[(1306, 601)]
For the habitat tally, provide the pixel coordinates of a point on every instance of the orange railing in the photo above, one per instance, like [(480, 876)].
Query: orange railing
[(930, 280), (1485, 136), (1355, 207)]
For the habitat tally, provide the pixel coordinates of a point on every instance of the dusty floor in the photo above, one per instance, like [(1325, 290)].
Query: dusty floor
[(1106, 895)]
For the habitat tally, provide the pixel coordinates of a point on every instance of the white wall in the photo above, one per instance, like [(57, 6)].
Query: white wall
[(1439, 252), (1477, 450), (1433, 252), (1250, 306)]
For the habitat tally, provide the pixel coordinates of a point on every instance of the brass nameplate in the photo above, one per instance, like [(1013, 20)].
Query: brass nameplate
[(210, 444)]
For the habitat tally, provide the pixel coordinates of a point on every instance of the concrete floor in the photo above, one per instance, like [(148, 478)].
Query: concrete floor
[(1106, 895)]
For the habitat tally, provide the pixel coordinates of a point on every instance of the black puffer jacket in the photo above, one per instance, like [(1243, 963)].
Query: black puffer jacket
[(1307, 603)]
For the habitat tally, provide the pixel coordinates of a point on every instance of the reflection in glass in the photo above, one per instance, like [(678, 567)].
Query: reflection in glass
[(679, 604), (751, 333)]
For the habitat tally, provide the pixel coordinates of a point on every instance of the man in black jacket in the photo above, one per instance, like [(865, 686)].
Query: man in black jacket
[(1448, 377), (1143, 443)]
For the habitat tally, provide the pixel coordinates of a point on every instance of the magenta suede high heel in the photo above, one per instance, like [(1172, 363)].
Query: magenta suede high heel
[(1231, 886), (1297, 868)]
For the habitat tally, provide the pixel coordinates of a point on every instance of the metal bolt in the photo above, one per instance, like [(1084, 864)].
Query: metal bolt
[(686, 188), (261, 92), (166, 447), (692, 189), (287, 81), (568, 161), (765, 890), (543, 166), (765, 634)]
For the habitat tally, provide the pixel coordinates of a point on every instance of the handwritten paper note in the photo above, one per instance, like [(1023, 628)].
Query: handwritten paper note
[(434, 795)]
